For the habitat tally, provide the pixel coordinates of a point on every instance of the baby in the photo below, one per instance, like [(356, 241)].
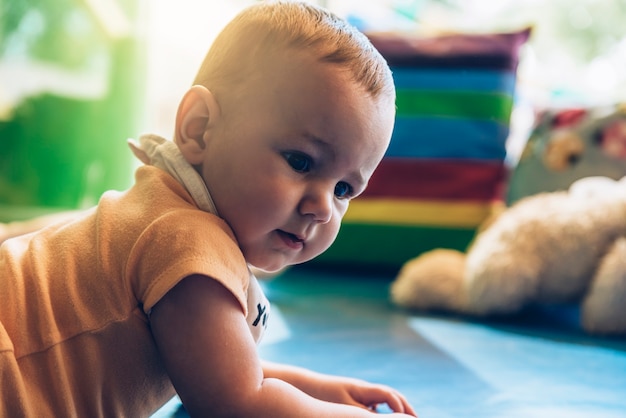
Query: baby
[(150, 294)]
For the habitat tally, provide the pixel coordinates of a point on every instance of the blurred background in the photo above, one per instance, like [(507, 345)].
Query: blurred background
[(79, 77)]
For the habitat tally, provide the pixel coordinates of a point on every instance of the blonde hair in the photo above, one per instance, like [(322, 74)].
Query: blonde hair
[(272, 27)]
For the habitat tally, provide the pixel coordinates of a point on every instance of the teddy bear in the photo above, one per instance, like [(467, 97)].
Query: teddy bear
[(555, 247)]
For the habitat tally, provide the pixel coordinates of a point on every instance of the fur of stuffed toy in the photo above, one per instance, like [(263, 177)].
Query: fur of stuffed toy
[(555, 247)]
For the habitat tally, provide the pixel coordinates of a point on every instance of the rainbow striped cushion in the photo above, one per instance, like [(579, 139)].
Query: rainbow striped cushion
[(445, 165)]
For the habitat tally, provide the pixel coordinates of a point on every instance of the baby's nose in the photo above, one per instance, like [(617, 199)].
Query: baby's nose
[(318, 204)]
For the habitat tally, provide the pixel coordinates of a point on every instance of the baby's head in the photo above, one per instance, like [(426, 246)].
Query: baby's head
[(291, 112), (268, 31)]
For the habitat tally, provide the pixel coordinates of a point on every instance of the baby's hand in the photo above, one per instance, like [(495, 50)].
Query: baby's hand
[(363, 394)]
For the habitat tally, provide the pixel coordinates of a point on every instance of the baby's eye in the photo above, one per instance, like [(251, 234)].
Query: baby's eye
[(298, 161), (343, 190)]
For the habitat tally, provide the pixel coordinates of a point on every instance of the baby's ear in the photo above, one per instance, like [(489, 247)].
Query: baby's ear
[(197, 113)]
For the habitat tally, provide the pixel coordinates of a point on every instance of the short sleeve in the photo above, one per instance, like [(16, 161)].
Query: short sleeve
[(182, 243)]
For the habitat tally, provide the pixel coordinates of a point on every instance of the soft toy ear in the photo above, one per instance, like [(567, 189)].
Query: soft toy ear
[(432, 281)]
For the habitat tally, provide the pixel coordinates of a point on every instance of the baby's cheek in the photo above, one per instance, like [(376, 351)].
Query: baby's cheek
[(331, 231), (341, 209), (324, 237)]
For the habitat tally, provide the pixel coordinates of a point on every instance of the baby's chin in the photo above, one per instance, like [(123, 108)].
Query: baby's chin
[(273, 266), (262, 274), (266, 261)]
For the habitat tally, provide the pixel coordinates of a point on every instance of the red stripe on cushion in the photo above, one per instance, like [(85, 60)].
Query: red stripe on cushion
[(437, 179)]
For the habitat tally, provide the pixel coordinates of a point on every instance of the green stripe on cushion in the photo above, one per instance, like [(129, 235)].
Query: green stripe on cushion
[(469, 105), (389, 245)]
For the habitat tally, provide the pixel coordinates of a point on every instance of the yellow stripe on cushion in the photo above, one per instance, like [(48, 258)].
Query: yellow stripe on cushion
[(418, 212)]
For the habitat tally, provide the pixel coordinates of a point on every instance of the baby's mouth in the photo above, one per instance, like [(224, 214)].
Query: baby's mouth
[(292, 240)]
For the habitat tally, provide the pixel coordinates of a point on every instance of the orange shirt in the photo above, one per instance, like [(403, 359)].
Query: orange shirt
[(75, 300)]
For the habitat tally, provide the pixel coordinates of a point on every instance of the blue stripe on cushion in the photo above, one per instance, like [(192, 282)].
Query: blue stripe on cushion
[(461, 80), (448, 138)]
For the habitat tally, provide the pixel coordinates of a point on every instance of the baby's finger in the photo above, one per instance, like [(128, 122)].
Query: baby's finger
[(408, 409), (398, 403)]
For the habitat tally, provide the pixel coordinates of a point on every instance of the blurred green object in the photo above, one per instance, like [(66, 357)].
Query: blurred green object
[(72, 93)]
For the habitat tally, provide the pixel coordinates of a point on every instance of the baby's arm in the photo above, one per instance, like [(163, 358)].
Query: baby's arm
[(201, 332), (339, 389)]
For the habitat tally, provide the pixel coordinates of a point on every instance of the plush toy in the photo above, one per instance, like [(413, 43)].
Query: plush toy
[(569, 144), (553, 247)]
